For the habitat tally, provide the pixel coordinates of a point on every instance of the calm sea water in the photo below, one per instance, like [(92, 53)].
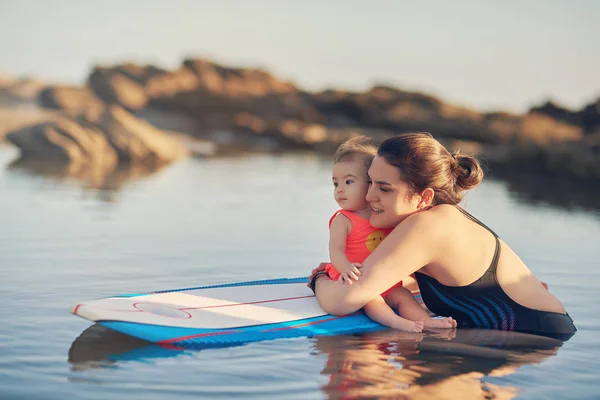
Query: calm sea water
[(202, 222)]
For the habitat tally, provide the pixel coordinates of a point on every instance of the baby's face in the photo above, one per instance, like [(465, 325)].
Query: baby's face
[(350, 183)]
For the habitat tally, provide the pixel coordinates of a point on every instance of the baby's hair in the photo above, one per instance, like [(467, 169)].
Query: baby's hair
[(355, 148)]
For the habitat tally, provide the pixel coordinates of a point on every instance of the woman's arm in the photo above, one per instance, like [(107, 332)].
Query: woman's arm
[(408, 248)]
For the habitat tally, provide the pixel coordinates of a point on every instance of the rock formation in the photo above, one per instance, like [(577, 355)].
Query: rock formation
[(252, 108), (111, 139)]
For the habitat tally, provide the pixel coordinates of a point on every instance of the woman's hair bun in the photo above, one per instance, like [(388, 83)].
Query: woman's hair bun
[(468, 172)]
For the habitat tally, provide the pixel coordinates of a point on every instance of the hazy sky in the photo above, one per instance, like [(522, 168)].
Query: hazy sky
[(486, 54)]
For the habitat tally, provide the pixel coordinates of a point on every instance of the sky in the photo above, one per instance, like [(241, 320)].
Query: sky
[(488, 55)]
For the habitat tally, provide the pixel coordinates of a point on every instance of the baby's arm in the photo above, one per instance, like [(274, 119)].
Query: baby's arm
[(338, 233)]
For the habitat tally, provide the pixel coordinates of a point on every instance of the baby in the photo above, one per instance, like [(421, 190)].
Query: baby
[(352, 239)]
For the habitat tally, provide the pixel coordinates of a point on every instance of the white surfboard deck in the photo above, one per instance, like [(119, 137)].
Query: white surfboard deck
[(215, 308)]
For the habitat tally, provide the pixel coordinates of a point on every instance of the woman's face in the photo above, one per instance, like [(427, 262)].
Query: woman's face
[(391, 198)]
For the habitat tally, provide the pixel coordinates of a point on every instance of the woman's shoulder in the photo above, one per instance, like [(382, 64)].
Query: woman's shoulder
[(441, 219), (445, 210), (437, 214)]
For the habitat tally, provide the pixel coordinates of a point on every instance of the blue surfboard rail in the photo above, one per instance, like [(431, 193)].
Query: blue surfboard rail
[(190, 337)]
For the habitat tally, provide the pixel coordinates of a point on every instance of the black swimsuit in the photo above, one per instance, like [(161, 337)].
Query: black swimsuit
[(484, 304)]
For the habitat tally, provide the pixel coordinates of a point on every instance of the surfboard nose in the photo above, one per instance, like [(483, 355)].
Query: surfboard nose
[(74, 308)]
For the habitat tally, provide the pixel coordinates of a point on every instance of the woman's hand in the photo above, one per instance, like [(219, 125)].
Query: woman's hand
[(320, 268)]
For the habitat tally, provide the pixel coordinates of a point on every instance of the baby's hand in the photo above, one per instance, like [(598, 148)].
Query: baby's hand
[(351, 273)]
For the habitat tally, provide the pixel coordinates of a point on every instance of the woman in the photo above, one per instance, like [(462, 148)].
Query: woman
[(462, 268)]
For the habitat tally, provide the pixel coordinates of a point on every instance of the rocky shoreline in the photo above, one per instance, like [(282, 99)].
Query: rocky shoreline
[(143, 115)]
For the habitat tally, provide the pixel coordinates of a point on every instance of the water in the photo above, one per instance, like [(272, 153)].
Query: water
[(257, 217)]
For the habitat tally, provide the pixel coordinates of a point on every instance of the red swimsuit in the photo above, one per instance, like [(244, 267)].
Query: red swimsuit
[(360, 243)]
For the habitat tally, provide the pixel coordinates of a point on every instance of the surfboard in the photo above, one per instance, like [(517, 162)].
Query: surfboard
[(227, 314)]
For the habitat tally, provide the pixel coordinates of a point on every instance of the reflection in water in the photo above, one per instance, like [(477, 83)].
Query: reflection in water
[(444, 365), (104, 178), (564, 193), (99, 346), (449, 364)]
